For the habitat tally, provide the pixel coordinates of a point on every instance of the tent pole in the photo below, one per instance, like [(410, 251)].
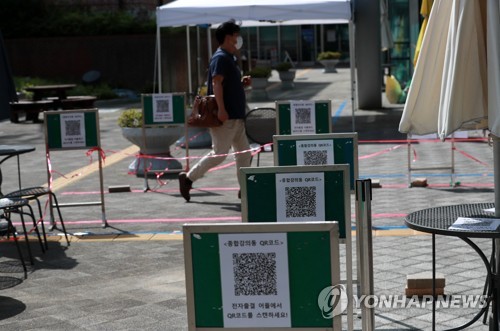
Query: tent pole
[(209, 41), (322, 38), (188, 41), (258, 43), (249, 53), (278, 30), (198, 58), (158, 48), (352, 60)]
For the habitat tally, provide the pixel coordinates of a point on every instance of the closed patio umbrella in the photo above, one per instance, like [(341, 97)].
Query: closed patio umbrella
[(456, 83), (449, 85)]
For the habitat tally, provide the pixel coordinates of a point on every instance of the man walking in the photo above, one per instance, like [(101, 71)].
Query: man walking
[(226, 83)]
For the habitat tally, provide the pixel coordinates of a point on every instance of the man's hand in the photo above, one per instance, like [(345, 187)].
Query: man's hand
[(246, 81)]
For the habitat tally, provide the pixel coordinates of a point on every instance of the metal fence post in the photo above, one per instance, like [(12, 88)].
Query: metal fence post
[(365, 252)]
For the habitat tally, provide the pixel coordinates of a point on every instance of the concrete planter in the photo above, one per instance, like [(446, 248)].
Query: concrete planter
[(157, 144), (259, 86), (287, 78), (330, 65)]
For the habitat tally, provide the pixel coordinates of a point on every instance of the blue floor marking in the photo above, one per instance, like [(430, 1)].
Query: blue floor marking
[(338, 112)]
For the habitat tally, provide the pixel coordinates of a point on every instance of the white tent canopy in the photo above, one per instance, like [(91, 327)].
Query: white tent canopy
[(262, 23), (190, 12), (448, 90), (194, 12)]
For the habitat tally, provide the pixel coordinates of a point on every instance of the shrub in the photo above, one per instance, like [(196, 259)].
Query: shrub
[(283, 66), (329, 56), (260, 72), (130, 118)]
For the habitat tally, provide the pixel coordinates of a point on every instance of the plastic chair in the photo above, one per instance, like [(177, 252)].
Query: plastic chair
[(260, 127), (34, 193)]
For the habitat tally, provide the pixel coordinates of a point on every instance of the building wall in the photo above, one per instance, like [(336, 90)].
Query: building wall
[(124, 61)]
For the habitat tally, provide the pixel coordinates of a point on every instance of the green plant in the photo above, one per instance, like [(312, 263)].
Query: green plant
[(130, 118), (260, 72), (329, 56), (283, 66)]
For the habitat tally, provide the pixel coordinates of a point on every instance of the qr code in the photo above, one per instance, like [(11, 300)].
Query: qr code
[(315, 157), (254, 274), (303, 116), (162, 106), (300, 201), (73, 128)]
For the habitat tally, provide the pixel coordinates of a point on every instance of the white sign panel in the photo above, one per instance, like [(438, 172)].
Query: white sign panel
[(303, 117), (254, 277), (163, 108), (300, 197), (72, 130), (314, 152)]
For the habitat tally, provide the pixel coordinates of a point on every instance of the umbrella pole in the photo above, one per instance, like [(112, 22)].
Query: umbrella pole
[(496, 169)]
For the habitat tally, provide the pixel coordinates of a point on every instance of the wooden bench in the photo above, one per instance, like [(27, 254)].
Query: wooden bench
[(30, 108)]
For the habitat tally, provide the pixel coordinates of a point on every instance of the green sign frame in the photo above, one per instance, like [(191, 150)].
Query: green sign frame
[(344, 147), (259, 202), (322, 110), (178, 115), (312, 260), (57, 139)]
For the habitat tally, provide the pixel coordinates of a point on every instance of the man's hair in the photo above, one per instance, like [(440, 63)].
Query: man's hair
[(227, 28)]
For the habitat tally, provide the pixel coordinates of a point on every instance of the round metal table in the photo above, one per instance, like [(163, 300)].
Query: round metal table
[(438, 220)]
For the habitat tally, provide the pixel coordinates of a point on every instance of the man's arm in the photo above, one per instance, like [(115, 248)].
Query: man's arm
[(219, 96)]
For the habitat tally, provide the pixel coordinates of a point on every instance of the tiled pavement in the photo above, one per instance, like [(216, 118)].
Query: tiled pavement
[(130, 276)]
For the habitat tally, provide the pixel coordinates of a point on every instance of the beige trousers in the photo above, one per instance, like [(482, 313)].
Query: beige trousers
[(230, 134)]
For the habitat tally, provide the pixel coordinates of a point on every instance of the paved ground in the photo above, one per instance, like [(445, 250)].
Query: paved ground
[(130, 275)]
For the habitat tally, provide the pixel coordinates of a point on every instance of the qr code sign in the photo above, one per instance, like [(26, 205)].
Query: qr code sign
[(315, 157), (254, 274), (72, 128), (162, 106), (303, 115), (300, 201)]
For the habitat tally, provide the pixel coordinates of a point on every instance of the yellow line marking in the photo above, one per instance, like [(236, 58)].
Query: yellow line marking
[(302, 72), (83, 172), (164, 236), (398, 233)]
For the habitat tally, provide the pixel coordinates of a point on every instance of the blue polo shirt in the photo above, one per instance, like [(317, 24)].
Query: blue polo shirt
[(223, 63)]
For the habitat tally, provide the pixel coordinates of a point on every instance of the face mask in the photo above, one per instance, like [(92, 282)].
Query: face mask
[(239, 42)]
